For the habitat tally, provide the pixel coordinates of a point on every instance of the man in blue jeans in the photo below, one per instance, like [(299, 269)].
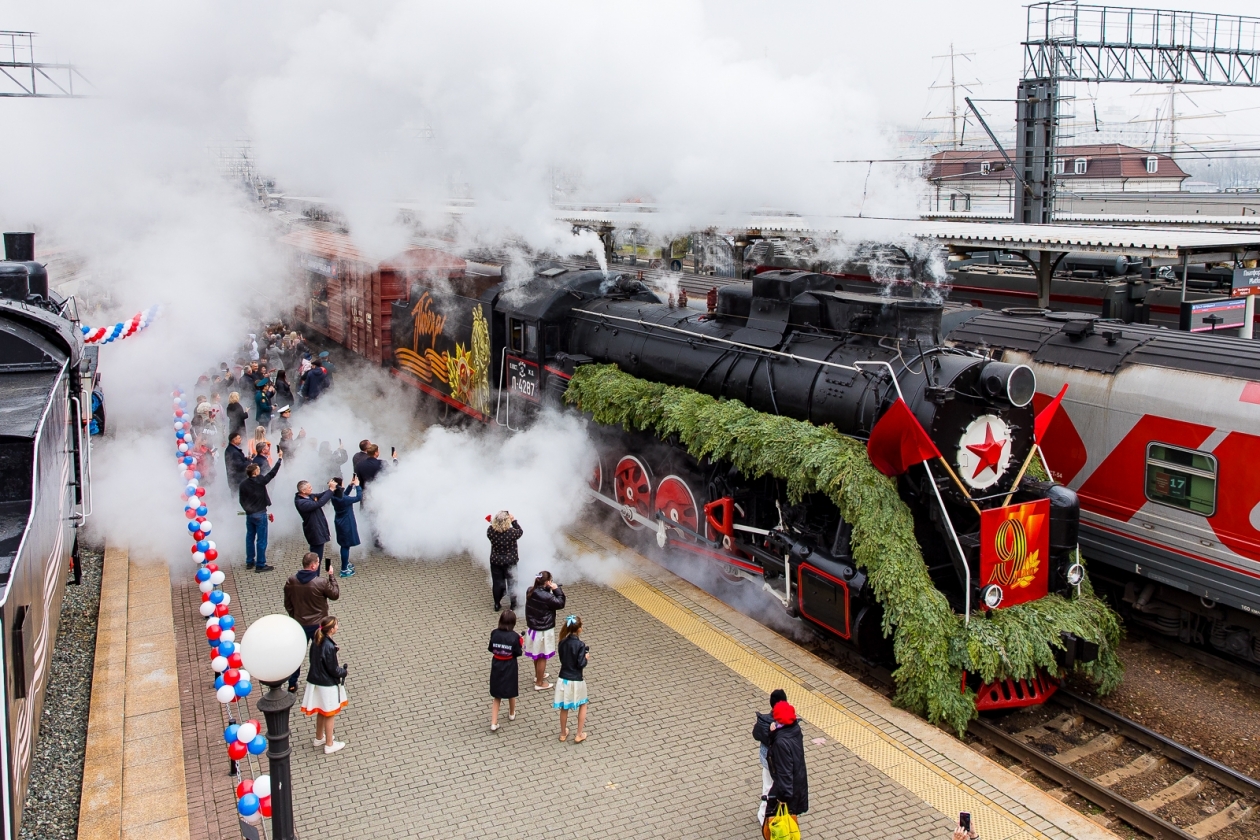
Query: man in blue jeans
[(254, 501)]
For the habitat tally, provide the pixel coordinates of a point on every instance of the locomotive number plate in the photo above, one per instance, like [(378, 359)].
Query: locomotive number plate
[(522, 378)]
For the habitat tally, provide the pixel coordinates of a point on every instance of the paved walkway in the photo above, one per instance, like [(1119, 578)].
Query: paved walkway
[(675, 678), (133, 773)]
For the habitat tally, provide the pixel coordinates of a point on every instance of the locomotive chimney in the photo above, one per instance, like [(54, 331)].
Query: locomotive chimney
[(19, 247)]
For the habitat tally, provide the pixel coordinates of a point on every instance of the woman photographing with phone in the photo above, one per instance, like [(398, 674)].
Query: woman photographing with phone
[(542, 600)]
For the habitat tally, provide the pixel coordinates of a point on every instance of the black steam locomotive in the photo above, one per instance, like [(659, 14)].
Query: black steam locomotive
[(788, 344), (45, 384)]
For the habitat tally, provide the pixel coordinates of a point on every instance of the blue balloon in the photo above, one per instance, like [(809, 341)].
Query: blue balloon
[(229, 734), (180, 434), (227, 648), (203, 510), (203, 546), (188, 460), (247, 805), (218, 682), (203, 574), (243, 688), (193, 526), (216, 597), (197, 474), (258, 746), (182, 403), (214, 643), (226, 622)]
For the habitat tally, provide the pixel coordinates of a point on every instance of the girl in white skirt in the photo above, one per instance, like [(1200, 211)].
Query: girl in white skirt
[(325, 692), (541, 602), (571, 687)]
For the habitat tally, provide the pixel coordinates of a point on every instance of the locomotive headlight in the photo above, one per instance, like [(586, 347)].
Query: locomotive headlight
[(992, 596), (1075, 574), (1014, 382)]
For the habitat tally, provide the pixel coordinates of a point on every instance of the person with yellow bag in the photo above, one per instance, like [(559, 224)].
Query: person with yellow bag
[(789, 793)]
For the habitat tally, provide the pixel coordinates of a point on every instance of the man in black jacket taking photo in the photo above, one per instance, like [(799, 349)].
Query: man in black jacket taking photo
[(255, 501)]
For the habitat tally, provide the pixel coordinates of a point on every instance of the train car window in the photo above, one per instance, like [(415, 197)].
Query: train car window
[(551, 340), (1181, 478), (516, 335)]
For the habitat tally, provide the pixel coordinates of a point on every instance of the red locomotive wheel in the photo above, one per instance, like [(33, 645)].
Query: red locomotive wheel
[(675, 499), (596, 481), (632, 487)]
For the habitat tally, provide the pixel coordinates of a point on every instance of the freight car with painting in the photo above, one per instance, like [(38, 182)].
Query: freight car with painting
[(1157, 435), (46, 382), (787, 344)]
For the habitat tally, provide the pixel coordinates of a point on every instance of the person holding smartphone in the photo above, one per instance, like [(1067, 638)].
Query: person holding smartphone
[(503, 533), (542, 601)]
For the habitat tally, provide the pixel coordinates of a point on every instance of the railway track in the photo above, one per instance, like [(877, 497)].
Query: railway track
[(1131, 772)]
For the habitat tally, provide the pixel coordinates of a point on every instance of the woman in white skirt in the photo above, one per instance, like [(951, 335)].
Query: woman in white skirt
[(541, 602), (571, 687), (325, 692)]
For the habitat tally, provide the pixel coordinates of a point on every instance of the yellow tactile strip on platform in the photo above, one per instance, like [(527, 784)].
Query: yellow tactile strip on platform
[(844, 726)]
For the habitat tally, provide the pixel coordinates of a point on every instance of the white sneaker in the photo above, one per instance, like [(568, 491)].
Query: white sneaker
[(512, 716), (333, 747), (494, 728), (317, 742)]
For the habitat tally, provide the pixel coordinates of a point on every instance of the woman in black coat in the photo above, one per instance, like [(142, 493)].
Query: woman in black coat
[(505, 645), (236, 415), (325, 686), (503, 533), (787, 762), (542, 600)]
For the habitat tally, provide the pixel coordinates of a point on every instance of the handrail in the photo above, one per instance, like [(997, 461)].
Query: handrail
[(85, 459), (949, 523)]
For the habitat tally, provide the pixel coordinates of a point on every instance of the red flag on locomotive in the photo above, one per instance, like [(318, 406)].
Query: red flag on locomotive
[(1015, 551), (1042, 422), (898, 442)]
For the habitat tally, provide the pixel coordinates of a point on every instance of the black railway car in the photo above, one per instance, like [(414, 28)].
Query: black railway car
[(43, 497)]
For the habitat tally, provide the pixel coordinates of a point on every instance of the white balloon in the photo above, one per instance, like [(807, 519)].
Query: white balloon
[(205, 586), (246, 733), (206, 527), (255, 818), (192, 482), (207, 609), (212, 545), (244, 673), (183, 447), (227, 599), (273, 647), (262, 786), (225, 694), (219, 664), (227, 636), (217, 578), (178, 426), (198, 557)]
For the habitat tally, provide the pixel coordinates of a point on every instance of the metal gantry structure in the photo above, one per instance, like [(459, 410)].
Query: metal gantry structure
[(1070, 42), (21, 75)]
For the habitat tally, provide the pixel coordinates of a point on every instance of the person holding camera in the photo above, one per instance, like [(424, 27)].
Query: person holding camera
[(542, 601), (503, 533), (314, 521), (346, 525), (325, 686)]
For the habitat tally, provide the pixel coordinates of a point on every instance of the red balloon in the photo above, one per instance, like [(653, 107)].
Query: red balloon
[(237, 750), (212, 554), (246, 786), (264, 806), (212, 567), (258, 726), (201, 491), (231, 676), (199, 535), (221, 610), (193, 550), (188, 473), (198, 518), (214, 631), (205, 596), (213, 653), (191, 513), (234, 661)]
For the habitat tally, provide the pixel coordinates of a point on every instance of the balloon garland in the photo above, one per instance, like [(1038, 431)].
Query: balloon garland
[(232, 683), (123, 329)]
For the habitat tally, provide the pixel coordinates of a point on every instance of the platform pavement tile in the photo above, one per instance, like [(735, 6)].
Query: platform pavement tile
[(670, 726), (172, 829)]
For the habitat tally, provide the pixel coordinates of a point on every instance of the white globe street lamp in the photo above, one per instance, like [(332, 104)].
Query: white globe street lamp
[(272, 648)]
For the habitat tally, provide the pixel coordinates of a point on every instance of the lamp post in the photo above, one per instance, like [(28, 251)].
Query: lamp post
[(273, 648)]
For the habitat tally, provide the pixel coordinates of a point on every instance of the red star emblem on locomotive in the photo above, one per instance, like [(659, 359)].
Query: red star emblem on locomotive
[(989, 452)]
